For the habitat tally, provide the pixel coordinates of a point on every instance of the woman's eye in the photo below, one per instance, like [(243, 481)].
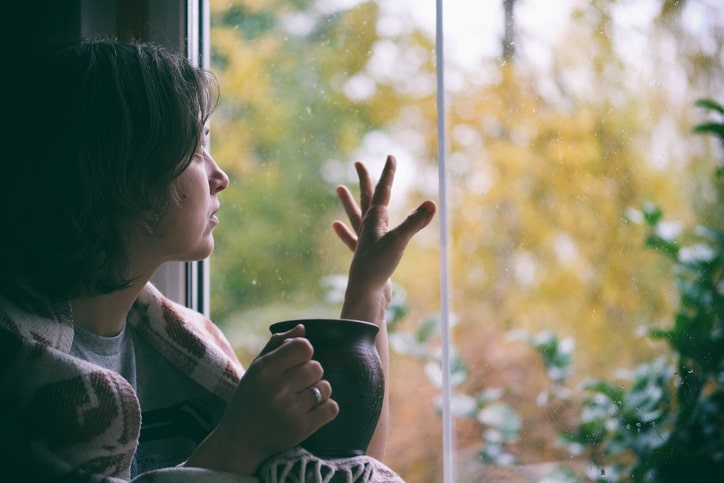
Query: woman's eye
[(201, 149)]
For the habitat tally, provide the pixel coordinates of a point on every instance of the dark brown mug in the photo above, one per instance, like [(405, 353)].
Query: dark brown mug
[(347, 352)]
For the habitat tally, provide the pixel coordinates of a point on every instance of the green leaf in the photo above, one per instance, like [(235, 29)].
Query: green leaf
[(712, 234), (557, 353), (658, 243), (463, 405), (694, 294), (715, 128), (602, 387), (698, 254), (709, 104), (652, 213), (397, 308), (429, 327), (458, 370), (642, 404), (406, 344), (488, 395), (502, 418), (590, 433)]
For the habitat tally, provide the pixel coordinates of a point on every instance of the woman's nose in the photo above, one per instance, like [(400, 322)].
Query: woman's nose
[(218, 179)]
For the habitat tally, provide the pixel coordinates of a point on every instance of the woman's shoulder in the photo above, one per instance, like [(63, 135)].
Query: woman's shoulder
[(35, 356), (188, 339), (51, 398)]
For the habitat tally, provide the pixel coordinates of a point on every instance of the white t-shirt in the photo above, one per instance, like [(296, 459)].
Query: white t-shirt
[(176, 412)]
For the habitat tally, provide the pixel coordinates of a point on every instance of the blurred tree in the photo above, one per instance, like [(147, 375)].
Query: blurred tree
[(550, 142), (542, 169), (283, 121), (545, 160)]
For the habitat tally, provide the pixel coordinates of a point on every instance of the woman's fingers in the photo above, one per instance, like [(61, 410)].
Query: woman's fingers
[(383, 190), (354, 213), (377, 248), (292, 366), (369, 196), (415, 221), (344, 233), (317, 394), (278, 339), (365, 186)]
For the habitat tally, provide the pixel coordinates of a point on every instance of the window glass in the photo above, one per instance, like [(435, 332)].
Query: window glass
[(565, 120)]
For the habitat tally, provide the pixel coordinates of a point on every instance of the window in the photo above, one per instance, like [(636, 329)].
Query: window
[(562, 119)]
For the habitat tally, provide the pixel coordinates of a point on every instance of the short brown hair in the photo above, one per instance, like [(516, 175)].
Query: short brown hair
[(107, 128)]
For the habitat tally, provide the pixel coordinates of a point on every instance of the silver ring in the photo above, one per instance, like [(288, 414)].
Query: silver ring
[(317, 394)]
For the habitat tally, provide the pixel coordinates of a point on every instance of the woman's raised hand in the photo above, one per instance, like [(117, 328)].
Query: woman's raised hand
[(377, 249)]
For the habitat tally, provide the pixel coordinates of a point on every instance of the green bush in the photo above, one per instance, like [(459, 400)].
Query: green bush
[(663, 420)]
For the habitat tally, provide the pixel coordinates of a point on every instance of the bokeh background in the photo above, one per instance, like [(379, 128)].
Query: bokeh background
[(564, 120)]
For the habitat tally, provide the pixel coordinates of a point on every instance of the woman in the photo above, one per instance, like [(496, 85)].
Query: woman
[(103, 377)]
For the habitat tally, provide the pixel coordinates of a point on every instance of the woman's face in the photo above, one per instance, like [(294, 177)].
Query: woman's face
[(184, 231)]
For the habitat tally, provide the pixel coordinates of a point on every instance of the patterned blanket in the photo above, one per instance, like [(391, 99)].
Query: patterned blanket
[(62, 418), (65, 419)]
